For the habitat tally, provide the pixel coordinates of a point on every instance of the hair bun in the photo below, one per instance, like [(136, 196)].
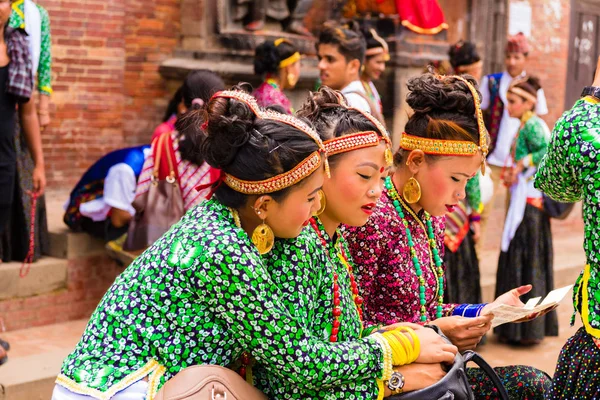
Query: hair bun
[(432, 94), (229, 124), (266, 58)]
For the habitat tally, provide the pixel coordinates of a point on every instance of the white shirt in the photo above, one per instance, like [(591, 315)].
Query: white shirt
[(509, 127), (354, 99)]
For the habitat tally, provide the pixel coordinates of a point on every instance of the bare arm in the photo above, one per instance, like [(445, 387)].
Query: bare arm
[(30, 124)]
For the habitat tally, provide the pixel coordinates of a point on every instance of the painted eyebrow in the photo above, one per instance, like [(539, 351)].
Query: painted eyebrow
[(465, 175), (369, 164), (315, 191)]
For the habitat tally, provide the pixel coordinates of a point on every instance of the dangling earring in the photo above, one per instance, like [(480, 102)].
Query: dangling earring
[(323, 203), (291, 80), (263, 237), (411, 191)]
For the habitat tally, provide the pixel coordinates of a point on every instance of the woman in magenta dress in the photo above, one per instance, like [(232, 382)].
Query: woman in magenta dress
[(279, 62), (398, 253)]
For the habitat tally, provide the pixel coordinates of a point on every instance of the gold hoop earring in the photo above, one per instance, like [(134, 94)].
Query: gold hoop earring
[(263, 238), (291, 80), (411, 191), (323, 201)]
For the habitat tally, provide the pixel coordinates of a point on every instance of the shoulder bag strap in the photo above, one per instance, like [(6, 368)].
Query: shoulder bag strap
[(489, 371), (168, 149), (157, 156)]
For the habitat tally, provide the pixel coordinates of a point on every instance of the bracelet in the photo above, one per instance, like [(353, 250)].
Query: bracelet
[(474, 218), (416, 342), (399, 351), (469, 310)]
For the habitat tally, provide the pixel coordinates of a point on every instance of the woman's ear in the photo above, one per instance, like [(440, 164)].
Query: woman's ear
[(263, 205), (415, 161)]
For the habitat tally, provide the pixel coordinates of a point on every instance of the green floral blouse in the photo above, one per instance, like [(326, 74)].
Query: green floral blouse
[(44, 72), (303, 269), (201, 295), (570, 172), (532, 140)]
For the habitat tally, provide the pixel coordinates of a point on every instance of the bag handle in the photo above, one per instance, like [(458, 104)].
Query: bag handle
[(489, 371), (159, 142)]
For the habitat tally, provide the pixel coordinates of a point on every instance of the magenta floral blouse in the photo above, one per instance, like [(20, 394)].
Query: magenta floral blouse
[(384, 270), (267, 95)]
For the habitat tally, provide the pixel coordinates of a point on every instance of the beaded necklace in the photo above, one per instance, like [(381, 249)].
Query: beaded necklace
[(358, 300), (434, 253), (273, 84)]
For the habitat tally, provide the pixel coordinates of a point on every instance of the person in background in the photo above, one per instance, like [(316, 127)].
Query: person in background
[(201, 86), (377, 55), (341, 51), (526, 252), (15, 242), (465, 59), (500, 125), (16, 87), (279, 63)]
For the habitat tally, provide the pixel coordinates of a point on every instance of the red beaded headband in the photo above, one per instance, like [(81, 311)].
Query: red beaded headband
[(288, 178)]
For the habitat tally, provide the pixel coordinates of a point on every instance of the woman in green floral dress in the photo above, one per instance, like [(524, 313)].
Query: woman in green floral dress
[(570, 172), (315, 269), (201, 293), (526, 256)]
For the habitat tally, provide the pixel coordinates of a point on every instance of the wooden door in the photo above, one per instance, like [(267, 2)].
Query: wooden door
[(583, 47)]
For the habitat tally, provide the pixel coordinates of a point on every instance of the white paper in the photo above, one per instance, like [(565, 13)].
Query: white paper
[(531, 303), (504, 313)]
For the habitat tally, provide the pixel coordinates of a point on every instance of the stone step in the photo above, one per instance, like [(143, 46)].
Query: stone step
[(69, 245), (46, 275)]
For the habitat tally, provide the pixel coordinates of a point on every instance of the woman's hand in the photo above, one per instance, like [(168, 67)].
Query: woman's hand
[(39, 179), (510, 298), (418, 376), (464, 332), (434, 349)]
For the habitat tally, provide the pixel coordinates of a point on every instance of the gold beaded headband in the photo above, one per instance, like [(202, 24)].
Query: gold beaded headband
[(378, 50), (523, 93), (291, 59), (389, 157), (354, 141), (286, 179), (453, 147)]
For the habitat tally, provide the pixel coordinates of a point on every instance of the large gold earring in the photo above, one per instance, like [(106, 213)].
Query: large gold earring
[(411, 191), (291, 80), (323, 204), (263, 238)]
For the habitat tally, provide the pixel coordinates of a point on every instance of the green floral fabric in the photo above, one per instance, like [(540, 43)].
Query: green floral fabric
[(44, 72), (201, 295), (570, 172), (532, 139), (473, 193), (303, 269)]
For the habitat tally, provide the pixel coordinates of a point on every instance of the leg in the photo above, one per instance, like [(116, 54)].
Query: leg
[(297, 21)]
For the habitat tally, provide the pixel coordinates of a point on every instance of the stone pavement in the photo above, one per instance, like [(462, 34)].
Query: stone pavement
[(36, 353)]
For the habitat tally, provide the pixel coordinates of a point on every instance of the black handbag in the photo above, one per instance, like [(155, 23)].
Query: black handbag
[(556, 209), (455, 385)]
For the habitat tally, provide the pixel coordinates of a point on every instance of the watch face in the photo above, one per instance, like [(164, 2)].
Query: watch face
[(396, 382)]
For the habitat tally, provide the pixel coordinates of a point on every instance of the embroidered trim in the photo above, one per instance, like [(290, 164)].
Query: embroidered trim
[(154, 381), (151, 366), (425, 31), (351, 142), (585, 312), (436, 146), (278, 182)]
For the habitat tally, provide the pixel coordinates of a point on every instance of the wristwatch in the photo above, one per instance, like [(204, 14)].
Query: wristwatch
[(396, 382), (593, 91)]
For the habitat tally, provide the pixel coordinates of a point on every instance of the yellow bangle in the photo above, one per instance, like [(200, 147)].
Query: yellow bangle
[(399, 354), (409, 351), (415, 341), (381, 387)]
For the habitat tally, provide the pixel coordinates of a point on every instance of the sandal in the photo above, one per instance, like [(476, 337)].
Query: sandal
[(5, 344)]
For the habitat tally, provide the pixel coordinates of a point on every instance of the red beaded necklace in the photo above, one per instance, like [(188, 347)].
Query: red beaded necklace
[(358, 300)]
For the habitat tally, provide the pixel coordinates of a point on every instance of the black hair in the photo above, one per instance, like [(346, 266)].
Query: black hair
[(463, 53), (371, 41), (250, 148), (348, 39), (530, 84), (443, 107), (326, 110), (200, 85), (172, 106), (267, 56)]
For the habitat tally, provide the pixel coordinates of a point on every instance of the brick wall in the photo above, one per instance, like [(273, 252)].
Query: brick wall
[(107, 90), (549, 51)]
